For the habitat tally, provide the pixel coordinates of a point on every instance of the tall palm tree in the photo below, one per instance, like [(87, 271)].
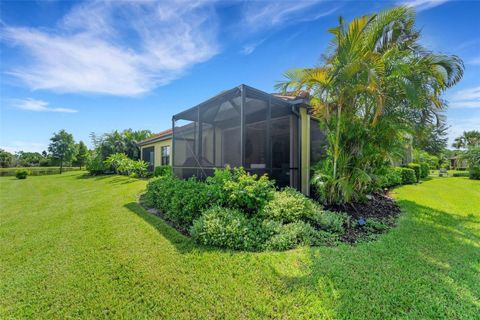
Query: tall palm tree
[(467, 139), (376, 83)]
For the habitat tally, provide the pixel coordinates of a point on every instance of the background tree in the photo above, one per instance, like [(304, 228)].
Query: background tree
[(82, 154), (467, 139), (62, 147), (431, 138), (377, 84), (6, 159), (125, 141)]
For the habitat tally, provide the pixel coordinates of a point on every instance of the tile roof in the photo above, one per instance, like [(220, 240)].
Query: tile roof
[(161, 135)]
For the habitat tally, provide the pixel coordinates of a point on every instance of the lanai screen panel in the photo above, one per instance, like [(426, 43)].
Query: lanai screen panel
[(208, 136), (240, 127), (268, 136)]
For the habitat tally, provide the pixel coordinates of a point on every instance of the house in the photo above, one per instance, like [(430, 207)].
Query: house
[(157, 150), (458, 162), (243, 126)]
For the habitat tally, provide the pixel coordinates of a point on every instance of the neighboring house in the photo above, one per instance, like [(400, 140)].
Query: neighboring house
[(157, 150), (458, 163)]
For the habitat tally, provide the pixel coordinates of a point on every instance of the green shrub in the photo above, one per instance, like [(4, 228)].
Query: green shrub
[(461, 174), (416, 168), (473, 158), (180, 201), (424, 170), (389, 177), (121, 164), (22, 173), (289, 236), (374, 225), (289, 205), (324, 238), (241, 190), (162, 171), (330, 221), (224, 228), (474, 172), (95, 165), (408, 176)]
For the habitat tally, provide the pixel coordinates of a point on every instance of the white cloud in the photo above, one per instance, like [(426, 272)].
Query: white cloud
[(459, 125), (421, 5), (38, 106), (467, 98), (118, 48), (266, 14), (249, 48), (15, 146)]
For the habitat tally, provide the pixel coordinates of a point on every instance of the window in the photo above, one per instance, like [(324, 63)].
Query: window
[(165, 153)]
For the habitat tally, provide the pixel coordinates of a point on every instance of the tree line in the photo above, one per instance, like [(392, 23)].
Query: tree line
[(64, 151)]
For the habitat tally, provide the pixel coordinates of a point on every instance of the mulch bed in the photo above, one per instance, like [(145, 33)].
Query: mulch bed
[(378, 206)]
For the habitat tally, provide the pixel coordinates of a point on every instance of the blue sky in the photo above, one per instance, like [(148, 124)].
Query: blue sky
[(99, 66)]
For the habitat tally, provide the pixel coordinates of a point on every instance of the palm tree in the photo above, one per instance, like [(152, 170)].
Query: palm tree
[(376, 83), (467, 139)]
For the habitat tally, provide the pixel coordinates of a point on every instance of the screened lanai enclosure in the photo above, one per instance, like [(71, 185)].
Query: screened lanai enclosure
[(244, 127)]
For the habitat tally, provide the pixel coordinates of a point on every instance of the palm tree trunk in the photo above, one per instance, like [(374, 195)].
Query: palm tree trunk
[(337, 141)]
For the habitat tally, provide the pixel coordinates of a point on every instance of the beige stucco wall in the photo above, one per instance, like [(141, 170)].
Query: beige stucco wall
[(158, 145)]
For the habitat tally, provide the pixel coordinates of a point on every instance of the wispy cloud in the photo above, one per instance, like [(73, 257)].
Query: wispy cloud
[(118, 48), (15, 146), (38, 106), (250, 47), (467, 98), (421, 5), (266, 14), (474, 61), (458, 125)]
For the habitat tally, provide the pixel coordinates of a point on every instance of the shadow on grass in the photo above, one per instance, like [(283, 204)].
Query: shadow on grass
[(114, 179), (426, 268), (182, 243)]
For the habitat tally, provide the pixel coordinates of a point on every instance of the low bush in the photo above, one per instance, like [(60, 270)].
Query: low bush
[(473, 158), (121, 164), (180, 201), (389, 177), (22, 173), (291, 235), (224, 228), (95, 165), (416, 168), (161, 171), (334, 222), (238, 189), (424, 170), (289, 205), (461, 174), (474, 172), (408, 176)]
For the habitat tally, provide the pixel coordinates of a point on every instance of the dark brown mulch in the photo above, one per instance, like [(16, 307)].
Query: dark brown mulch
[(378, 206)]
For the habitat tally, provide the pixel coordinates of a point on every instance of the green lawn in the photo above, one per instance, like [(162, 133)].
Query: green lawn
[(76, 247)]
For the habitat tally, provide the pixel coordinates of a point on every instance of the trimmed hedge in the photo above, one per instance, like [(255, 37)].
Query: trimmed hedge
[(408, 176), (424, 170), (416, 167)]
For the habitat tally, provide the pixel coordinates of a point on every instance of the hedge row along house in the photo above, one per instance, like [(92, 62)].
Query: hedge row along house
[(243, 126)]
